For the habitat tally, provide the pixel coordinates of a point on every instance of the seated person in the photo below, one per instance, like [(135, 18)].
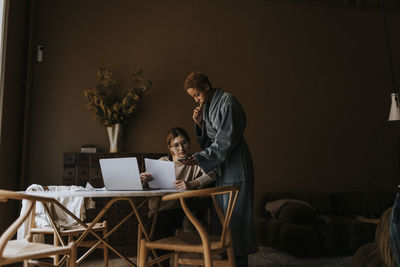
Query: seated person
[(170, 214), (187, 177)]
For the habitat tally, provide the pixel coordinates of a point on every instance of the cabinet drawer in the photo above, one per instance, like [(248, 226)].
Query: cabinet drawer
[(95, 174), (69, 173), (69, 158), (82, 172), (94, 159), (83, 159)]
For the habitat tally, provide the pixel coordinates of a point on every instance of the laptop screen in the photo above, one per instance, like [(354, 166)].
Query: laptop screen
[(121, 173)]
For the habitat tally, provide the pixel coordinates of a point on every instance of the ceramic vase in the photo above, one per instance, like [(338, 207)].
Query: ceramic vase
[(114, 136)]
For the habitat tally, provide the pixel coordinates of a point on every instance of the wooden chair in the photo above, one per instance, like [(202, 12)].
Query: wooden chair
[(22, 250), (195, 242), (70, 233)]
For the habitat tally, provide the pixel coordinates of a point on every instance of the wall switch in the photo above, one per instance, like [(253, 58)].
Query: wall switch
[(39, 53)]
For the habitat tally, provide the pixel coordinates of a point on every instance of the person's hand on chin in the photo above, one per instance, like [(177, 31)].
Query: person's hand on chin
[(198, 115)]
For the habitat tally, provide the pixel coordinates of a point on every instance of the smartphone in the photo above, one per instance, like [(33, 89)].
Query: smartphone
[(183, 159)]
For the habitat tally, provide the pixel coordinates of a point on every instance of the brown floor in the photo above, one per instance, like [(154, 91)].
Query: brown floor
[(265, 257)]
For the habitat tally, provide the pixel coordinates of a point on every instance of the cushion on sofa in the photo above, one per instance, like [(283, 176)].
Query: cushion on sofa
[(297, 213), (273, 207), (277, 196), (322, 202)]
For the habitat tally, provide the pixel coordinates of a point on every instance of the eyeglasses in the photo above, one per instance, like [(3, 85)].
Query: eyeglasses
[(176, 145)]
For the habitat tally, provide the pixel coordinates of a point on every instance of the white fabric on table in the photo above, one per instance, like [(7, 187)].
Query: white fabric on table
[(77, 206)]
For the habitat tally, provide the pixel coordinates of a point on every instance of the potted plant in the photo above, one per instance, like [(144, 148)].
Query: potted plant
[(110, 109)]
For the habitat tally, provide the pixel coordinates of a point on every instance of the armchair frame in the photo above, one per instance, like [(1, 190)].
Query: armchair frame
[(23, 250)]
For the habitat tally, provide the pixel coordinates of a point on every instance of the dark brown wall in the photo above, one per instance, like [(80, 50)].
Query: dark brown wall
[(314, 82), (13, 106)]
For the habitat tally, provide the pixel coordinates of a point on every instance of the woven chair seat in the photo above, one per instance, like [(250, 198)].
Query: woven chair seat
[(187, 242), (22, 249), (67, 231)]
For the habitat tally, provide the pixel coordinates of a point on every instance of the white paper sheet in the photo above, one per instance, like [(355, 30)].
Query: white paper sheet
[(163, 173)]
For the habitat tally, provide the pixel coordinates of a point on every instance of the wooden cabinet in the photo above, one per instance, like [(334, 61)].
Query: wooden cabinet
[(80, 168)]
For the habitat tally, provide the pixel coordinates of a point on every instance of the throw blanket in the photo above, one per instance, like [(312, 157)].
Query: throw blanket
[(77, 205), (274, 206)]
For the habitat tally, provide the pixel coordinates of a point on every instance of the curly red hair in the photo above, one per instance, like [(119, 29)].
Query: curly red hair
[(197, 80)]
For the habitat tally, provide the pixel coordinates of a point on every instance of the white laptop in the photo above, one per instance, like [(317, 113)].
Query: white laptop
[(121, 174)]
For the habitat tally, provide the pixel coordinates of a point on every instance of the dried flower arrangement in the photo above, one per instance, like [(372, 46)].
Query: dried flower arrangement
[(106, 106)]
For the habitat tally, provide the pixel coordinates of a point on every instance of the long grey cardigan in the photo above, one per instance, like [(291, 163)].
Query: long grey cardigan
[(225, 150)]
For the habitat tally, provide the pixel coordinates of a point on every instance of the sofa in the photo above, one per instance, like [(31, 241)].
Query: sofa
[(311, 224)]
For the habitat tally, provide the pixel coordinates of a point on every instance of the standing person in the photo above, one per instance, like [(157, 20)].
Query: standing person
[(219, 126)]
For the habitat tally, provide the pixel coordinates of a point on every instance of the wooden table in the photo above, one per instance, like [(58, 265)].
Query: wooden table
[(128, 196)]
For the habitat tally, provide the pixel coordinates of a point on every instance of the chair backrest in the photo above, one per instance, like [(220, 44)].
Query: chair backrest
[(225, 220), (45, 201), (7, 194), (225, 216), (21, 250), (12, 229)]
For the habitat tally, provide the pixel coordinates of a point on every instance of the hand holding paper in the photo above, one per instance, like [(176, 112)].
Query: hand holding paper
[(163, 173)]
